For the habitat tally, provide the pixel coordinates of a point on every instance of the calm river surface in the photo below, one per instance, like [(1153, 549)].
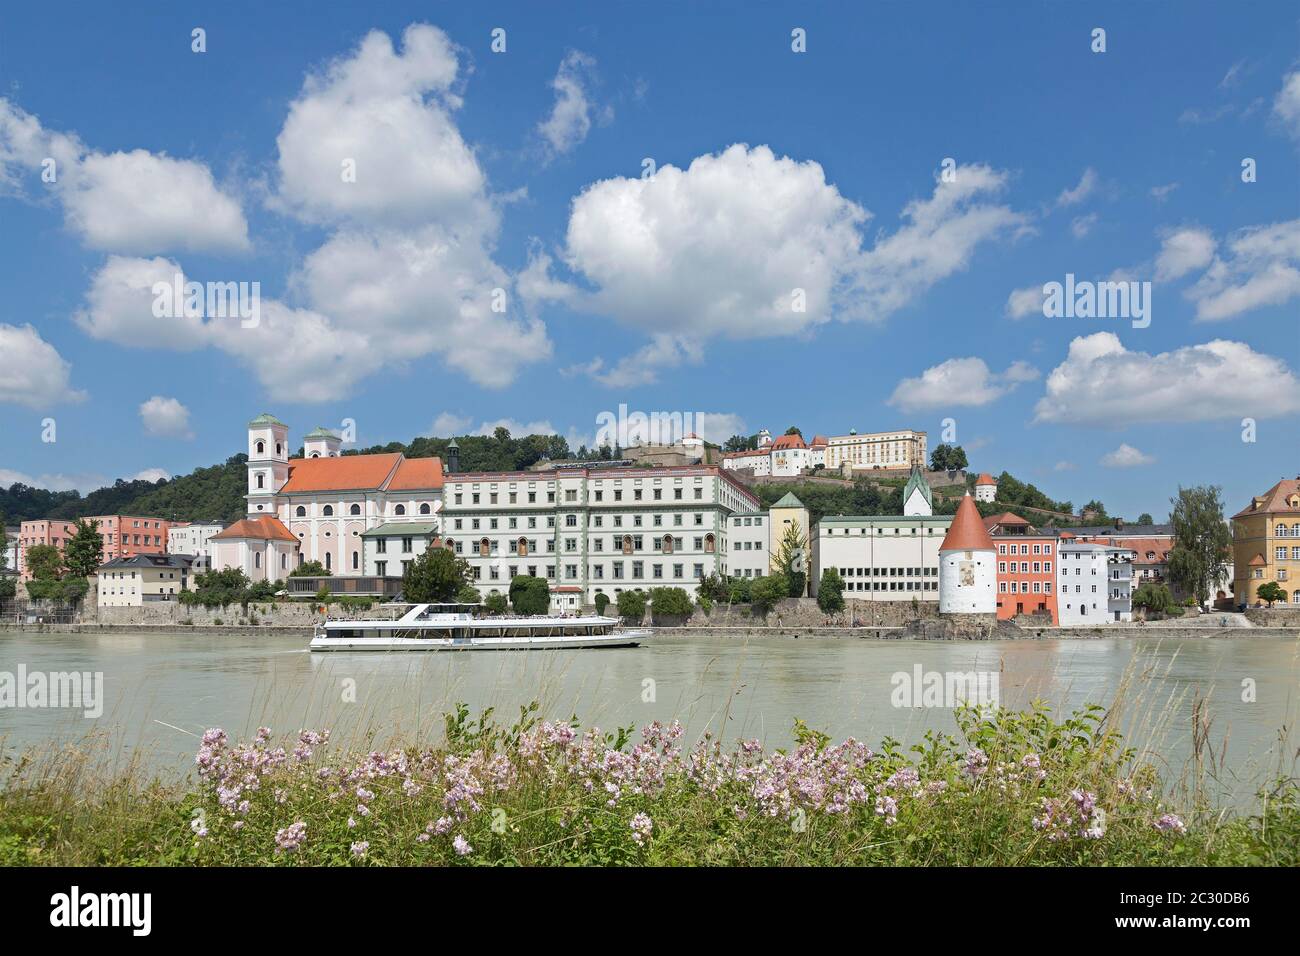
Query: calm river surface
[(162, 690)]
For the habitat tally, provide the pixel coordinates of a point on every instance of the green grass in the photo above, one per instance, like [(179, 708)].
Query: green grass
[(1010, 788)]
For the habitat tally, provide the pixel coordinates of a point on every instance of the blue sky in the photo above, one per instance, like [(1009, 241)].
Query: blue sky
[(522, 171)]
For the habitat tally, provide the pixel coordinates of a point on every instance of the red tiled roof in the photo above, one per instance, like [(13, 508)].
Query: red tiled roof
[(267, 529), (966, 533), (346, 473), (789, 441), (1006, 518), (818, 441), (745, 454), (1257, 561), (1274, 500), (417, 473), (985, 479)]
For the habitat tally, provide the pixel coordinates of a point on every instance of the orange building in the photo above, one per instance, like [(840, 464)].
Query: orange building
[(124, 536), (1027, 565)]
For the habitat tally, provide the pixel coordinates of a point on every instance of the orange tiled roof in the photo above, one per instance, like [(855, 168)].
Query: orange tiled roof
[(267, 529), (1006, 518), (346, 473), (818, 441), (1258, 561), (1274, 500), (985, 479), (789, 441), (417, 473), (966, 533)]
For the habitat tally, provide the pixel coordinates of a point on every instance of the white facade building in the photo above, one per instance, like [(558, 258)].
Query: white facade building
[(591, 530), (881, 558), (389, 548), (142, 579), (749, 540), (986, 488), (895, 450), (192, 539), (1094, 583), (759, 459)]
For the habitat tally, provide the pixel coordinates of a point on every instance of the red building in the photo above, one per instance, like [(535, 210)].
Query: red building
[(124, 536), (1027, 566)]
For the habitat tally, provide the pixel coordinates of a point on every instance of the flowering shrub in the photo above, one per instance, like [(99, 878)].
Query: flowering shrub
[(1015, 788)]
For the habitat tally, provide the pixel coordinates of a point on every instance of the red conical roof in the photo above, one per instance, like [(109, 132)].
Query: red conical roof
[(967, 531)]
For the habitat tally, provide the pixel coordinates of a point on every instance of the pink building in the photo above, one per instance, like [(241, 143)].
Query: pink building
[(124, 536)]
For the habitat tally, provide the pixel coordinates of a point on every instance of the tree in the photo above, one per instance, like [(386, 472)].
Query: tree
[(830, 592), (309, 569), (8, 587), (468, 595), (792, 560), (1199, 557), (794, 430), (602, 602), (1145, 518), (766, 591), (84, 552), (435, 576), (740, 590), (495, 603), (631, 605), (1154, 597), (1270, 591), (1096, 509), (530, 595), (44, 562), (738, 443), (947, 458)]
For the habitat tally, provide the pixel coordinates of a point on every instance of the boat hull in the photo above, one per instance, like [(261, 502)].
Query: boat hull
[(633, 638)]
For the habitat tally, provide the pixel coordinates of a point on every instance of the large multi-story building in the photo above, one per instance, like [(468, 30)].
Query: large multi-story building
[(123, 536), (755, 539), (589, 530), (191, 538), (317, 507), (877, 450), (1027, 567), (787, 456), (883, 557), (1266, 543), (1094, 583)]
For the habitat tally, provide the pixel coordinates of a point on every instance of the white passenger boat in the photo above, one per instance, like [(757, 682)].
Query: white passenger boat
[(456, 627)]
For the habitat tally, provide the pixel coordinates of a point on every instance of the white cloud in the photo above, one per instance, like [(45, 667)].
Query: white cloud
[(1183, 251), (1080, 226), (1064, 465), (1257, 267), (571, 116), (152, 474), (1286, 105), (1103, 383), (53, 482), (1087, 183), (717, 427), (32, 372), (131, 202), (1161, 193), (448, 424), (959, 382), (1126, 456), (166, 418), (717, 250), (1024, 302), (389, 114)]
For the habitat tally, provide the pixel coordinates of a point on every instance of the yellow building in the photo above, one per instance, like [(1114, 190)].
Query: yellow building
[(143, 579), (1266, 543)]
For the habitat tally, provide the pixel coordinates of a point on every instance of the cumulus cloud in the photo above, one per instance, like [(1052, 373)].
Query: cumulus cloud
[(1286, 105), (165, 418), (32, 372), (133, 202), (53, 482), (1087, 184), (1258, 266), (151, 474), (571, 116), (1024, 302), (1126, 456), (1103, 383), (744, 244), (959, 382), (1183, 251)]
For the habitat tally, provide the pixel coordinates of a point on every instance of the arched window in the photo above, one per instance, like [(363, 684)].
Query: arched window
[(355, 509), (277, 449), (424, 508), (668, 544), (356, 560), (521, 547), (708, 544), (328, 511), (300, 511), (400, 510), (627, 544), (260, 447), (329, 561), (301, 558), (261, 481), (257, 559), (484, 548), (284, 561)]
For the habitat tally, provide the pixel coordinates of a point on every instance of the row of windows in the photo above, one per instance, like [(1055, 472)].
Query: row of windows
[(1280, 554), (883, 531), (1022, 587), (1024, 549), (571, 496), (890, 572), (892, 586), (1040, 567), (355, 509)]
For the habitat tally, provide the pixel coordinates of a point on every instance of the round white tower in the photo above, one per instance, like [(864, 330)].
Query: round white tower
[(968, 578), (268, 463)]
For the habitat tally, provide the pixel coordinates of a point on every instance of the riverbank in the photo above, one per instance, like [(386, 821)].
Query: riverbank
[(923, 631), (1009, 789)]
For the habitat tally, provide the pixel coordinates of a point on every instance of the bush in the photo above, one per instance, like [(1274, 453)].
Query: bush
[(309, 569), (740, 590), (670, 602), (468, 595), (631, 605), (530, 595), (602, 602), (356, 602), (495, 603), (323, 595), (830, 592)]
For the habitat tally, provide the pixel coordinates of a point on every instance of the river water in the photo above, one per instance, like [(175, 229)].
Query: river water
[(162, 690)]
